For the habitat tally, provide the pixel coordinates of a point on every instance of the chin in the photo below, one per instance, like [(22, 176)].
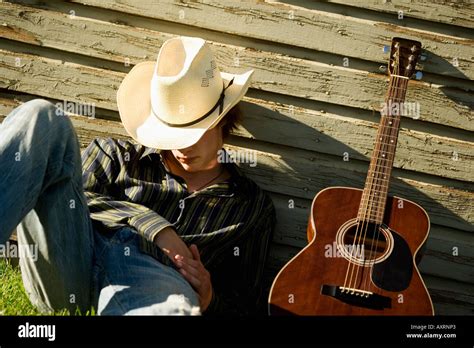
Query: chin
[(190, 168)]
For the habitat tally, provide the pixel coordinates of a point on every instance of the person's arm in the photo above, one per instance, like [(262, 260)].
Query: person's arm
[(238, 279), (101, 163)]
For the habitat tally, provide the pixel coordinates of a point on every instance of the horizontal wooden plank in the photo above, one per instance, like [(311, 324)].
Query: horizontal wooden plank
[(59, 80), (442, 104), (325, 132), (450, 297), (301, 174), (450, 12), (293, 126), (293, 219), (318, 30)]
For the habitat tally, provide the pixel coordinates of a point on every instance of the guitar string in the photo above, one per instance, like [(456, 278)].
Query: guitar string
[(367, 209), (400, 95), (374, 205), (364, 208), (365, 204), (392, 97), (400, 90), (362, 225)]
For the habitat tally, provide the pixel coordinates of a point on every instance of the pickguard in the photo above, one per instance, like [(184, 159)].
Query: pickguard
[(395, 273)]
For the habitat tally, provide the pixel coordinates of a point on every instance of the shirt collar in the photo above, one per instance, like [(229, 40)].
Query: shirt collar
[(224, 189), (149, 151)]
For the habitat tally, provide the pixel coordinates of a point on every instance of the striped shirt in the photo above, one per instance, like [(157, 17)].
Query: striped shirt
[(230, 222)]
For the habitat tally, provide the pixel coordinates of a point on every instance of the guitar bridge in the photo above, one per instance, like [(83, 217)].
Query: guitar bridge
[(357, 297)]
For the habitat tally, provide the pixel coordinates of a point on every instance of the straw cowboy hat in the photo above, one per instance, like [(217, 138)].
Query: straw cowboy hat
[(170, 104)]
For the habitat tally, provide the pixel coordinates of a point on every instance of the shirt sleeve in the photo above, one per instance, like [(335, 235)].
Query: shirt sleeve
[(101, 163), (239, 291)]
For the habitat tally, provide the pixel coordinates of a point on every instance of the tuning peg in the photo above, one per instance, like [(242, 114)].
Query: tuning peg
[(418, 75), (383, 68), (423, 57), (386, 49)]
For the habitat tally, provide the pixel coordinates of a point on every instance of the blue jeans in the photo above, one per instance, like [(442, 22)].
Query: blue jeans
[(65, 263)]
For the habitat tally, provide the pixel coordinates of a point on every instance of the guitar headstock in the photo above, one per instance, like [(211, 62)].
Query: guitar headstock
[(404, 55)]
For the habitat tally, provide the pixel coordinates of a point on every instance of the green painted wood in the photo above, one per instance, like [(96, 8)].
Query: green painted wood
[(459, 13), (323, 31), (442, 104), (301, 174), (293, 126)]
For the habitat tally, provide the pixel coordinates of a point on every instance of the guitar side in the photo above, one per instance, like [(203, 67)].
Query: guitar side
[(297, 289)]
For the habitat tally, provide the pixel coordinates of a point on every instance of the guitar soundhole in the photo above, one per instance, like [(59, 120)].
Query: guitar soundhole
[(364, 243)]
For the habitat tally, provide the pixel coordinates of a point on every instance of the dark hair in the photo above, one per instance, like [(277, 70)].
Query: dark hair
[(230, 121)]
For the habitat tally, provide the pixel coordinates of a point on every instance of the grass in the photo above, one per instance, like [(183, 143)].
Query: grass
[(13, 298)]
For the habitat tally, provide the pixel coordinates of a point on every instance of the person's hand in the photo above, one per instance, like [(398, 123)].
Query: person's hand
[(171, 244), (196, 274)]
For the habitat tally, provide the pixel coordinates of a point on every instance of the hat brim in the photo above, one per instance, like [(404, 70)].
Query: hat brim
[(134, 105)]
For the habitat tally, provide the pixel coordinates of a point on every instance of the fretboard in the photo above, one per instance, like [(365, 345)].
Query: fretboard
[(374, 196)]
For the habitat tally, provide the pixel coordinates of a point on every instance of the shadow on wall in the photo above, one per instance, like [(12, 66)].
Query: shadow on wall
[(303, 173)]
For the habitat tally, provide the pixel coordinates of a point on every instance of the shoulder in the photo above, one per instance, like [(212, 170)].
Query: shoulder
[(116, 148)]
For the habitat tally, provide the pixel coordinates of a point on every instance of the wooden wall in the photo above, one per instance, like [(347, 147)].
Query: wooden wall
[(304, 110)]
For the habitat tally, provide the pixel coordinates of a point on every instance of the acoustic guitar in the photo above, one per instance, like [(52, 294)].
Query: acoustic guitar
[(360, 259)]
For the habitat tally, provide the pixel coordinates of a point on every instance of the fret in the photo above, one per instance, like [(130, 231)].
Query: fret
[(384, 179), (381, 158), (386, 144), (389, 127), (380, 180), (368, 201), (382, 155), (374, 196), (388, 167), (381, 188), (375, 199)]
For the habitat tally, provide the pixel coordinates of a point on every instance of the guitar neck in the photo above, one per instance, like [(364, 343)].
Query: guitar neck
[(375, 192)]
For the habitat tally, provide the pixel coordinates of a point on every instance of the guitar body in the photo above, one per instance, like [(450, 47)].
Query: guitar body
[(309, 284)]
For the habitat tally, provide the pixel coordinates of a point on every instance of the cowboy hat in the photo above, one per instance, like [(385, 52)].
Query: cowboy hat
[(170, 104)]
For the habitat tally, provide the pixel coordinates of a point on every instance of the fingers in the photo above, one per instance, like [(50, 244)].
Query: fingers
[(180, 258), (193, 270), (192, 279), (195, 252)]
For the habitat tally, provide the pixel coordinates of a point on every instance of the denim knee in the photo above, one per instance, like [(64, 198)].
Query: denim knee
[(44, 116)]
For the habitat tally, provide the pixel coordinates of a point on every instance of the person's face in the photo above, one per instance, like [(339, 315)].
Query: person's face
[(203, 154)]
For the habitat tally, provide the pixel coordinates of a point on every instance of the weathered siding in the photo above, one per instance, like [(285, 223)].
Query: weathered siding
[(304, 111)]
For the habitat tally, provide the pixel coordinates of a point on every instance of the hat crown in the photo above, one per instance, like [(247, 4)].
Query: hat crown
[(186, 83)]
